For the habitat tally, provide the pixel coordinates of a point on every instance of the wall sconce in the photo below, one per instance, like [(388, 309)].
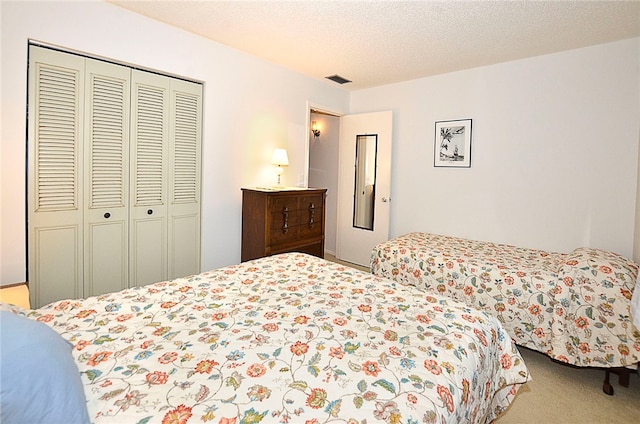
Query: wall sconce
[(314, 129), (280, 159)]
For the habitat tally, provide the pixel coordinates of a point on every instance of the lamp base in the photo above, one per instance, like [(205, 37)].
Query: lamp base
[(279, 171)]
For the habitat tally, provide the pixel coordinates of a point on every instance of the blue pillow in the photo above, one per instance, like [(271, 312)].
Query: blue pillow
[(39, 381)]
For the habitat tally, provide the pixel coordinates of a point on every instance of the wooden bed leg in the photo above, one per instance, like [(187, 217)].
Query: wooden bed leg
[(623, 376), (606, 386)]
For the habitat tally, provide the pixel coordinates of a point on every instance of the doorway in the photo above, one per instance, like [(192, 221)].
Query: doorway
[(328, 152), (322, 170)]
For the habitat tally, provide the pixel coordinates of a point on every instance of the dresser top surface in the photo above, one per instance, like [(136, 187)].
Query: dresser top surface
[(283, 189)]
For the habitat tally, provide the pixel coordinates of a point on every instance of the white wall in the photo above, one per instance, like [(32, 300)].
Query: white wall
[(636, 238), (554, 156), (251, 107)]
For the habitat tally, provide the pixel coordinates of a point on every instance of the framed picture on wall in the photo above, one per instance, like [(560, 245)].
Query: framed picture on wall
[(452, 144)]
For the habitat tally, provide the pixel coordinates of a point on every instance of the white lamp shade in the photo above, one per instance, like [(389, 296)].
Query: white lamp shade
[(280, 157)]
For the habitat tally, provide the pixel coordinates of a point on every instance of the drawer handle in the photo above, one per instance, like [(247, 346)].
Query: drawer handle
[(312, 213), (107, 215), (149, 211), (285, 219)]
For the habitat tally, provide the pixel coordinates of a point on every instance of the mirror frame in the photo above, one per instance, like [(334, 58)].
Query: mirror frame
[(364, 203)]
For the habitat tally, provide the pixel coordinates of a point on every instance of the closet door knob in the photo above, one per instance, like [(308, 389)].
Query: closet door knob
[(149, 211), (107, 215)]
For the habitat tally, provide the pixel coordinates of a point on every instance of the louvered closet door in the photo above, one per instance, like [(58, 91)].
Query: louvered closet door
[(55, 200), (113, 176), (106, 184), (149, 149), (184, 178)]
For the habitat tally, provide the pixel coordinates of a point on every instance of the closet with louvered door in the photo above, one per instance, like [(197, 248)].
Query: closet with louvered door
[(184, 178), (113, 176), (55, 169), (106, 167), (149, 149)]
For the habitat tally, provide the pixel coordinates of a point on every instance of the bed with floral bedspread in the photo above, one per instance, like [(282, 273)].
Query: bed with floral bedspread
[(573, 307), (287, 338)]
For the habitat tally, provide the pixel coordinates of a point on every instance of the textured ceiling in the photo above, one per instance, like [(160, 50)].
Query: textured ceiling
[(375, 43)]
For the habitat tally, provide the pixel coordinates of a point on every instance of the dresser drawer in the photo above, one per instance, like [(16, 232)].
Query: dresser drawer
[(284, 203), (310, 229), (300, 224), (284, 220), (311, 202), (280, 235)]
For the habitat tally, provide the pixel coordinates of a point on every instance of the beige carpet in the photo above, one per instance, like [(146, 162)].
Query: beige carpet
[(560, 394)]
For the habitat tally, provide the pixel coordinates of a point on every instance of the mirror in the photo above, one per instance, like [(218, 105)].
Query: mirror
[(365, 181)]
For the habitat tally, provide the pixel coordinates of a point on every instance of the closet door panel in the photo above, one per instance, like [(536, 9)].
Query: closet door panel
[(184, 230), (105, 266), (54, 202), (52, 270), (106, 185), (184, 178), (149, 177), (149, 250)]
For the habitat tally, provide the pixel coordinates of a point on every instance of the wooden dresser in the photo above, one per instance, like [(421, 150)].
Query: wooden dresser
[(278, 221)]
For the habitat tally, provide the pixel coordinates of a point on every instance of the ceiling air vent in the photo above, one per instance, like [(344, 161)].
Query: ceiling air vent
[(338, 79)]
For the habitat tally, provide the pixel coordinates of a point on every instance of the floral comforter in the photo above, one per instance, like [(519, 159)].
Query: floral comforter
[(288, 338), (573, 307)]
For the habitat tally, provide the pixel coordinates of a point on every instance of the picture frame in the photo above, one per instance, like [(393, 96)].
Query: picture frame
[(452, 144)]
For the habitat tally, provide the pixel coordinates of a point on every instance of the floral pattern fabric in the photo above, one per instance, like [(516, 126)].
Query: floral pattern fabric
[(287, 338), (573, 307)]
